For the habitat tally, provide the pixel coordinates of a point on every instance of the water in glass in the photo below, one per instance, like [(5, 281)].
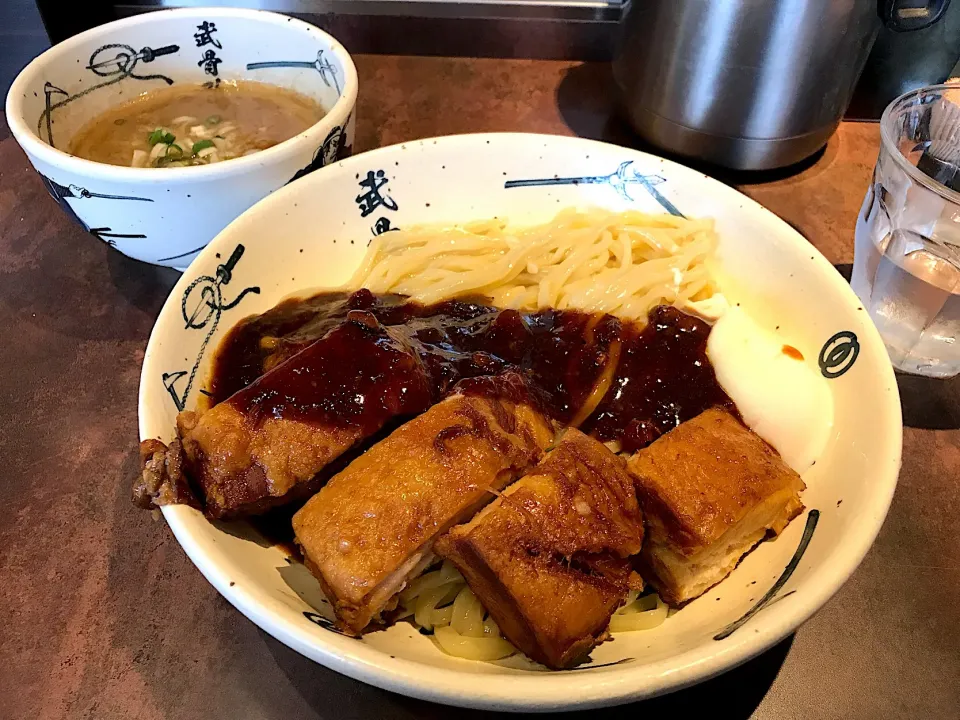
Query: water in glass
[(907, 257)]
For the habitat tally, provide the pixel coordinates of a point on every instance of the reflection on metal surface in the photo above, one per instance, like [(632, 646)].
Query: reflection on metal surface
[(595, 10), (742, 84)]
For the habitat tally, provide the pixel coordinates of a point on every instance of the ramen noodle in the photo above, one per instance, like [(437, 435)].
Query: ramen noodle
[(597, 261), (441, 605)]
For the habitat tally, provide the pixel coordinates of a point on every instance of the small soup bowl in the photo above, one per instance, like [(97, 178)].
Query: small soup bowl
[(166, 216)]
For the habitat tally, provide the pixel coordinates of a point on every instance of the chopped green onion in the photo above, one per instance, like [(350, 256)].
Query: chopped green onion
[(212, 120), (159, 136), (201, 145), (174, 151)]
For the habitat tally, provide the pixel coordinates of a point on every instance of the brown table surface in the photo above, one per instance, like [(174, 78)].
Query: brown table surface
[(103, 616)]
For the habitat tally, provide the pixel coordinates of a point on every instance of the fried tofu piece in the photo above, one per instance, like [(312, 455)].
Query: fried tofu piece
[(548, 559), (710, 491), (266, 444), (372, 527)]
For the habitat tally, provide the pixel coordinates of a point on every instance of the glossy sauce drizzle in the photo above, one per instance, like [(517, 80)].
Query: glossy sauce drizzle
[(348, 359)]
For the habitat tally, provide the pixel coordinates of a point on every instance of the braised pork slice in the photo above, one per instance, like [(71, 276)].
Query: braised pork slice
[(710, 490), (548, 559), (372, 527), (268, 443)]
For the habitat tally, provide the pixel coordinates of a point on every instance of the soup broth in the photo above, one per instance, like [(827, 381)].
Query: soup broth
[(186, 125)]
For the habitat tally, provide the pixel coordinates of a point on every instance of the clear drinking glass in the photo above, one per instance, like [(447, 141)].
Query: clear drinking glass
[(906, 267)]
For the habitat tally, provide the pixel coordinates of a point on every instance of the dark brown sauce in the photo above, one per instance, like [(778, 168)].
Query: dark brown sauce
[(360, 372)]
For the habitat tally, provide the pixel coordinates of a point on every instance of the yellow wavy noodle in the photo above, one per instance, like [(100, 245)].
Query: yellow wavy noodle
[(600, 387), (639, 613), (595, 260), (440, 601)]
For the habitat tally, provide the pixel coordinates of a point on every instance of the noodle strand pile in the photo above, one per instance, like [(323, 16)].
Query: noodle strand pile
[(439, 602), (596, 261)]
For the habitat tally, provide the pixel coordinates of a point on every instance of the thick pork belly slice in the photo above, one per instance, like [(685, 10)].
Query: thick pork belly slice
[(372, 527), (266, 444), (710, 490), (548, 559)]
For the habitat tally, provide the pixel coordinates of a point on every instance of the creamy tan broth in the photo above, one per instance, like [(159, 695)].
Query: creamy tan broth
[(186, 125)]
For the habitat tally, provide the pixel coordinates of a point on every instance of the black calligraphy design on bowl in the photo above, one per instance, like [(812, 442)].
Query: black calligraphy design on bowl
[(620, 180), (209, 60), (61, 193), (321, 621), (373, 195), (204, 35), (210, 63), (381, 226), (813, 517), (594, 666), (202, 306), (334, 148), (838, 354), (327, 70), (114, 61), (181, 256)]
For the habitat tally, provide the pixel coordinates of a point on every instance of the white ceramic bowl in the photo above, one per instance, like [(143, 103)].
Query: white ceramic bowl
[(166, 216), (314, 233)]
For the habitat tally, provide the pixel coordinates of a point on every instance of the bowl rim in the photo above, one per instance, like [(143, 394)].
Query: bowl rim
[(889, 139), (337, 114), (543, 692)]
